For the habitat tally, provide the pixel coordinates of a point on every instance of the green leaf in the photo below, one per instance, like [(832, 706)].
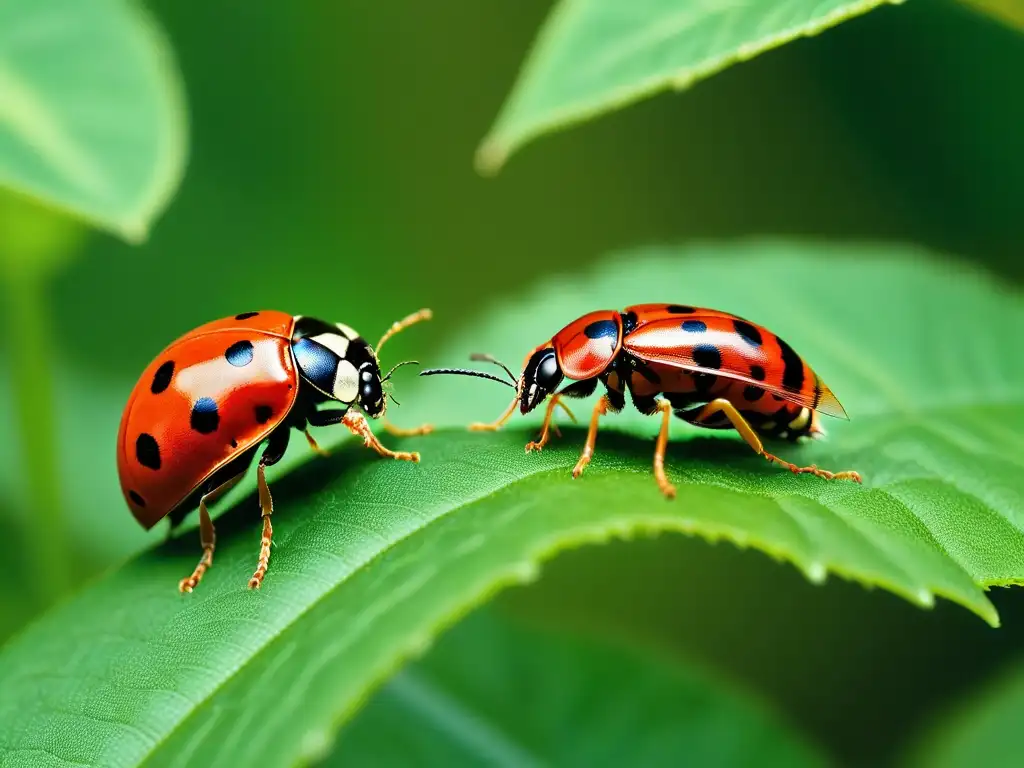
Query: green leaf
[(494, 693), (1009, 12), (984, 729), (92, 116), (593, 56), (373, 558)]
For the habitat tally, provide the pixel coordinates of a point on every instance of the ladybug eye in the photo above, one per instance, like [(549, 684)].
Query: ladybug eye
[(369, 388), (548, 373)]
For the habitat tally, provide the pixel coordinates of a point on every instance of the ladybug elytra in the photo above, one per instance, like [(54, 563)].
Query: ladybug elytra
[(710, 368), (201, 409)]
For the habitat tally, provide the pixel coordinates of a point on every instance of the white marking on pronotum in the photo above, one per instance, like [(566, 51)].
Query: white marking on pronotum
[(337, 344), (347, 330), (346, 382)]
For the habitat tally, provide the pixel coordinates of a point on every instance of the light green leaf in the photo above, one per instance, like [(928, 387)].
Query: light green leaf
[(984, 729), (593, 56), (92, 117), (373, 558), (496, 694)]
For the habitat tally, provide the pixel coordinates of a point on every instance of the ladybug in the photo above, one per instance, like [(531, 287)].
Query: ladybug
[(201, 409), (710, 368)]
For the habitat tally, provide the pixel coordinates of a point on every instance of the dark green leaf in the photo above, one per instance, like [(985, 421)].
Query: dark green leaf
[(493, 693)]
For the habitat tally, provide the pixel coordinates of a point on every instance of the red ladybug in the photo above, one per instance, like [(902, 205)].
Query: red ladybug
[(201, 409), (710, 368)]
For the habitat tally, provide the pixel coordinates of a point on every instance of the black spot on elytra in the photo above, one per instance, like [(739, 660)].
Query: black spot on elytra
[(757, 372), (147, 451), (162, 378), (707, 356), (679, 309), (695, 326), (749, 333), (234, 443), (205, 418), (239, 354), (246, 315), (263, 413), (793, 372), (752, 394), (777, 397), (601, 329), (136, 498), (629, 321)]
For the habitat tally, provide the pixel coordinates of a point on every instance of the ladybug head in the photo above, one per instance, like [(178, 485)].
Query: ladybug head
[(541, 375), (371, 390)]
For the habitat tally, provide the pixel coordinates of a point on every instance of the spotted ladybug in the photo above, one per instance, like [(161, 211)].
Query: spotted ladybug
[(201, 409), (709, 368)]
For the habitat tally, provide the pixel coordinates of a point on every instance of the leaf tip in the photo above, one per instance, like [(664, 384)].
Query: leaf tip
[(134, 231), (490, 157), (317, 745)]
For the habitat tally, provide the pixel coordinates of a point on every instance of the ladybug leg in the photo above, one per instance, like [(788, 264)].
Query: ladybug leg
[(583, 388), (391, 429), (275, 449), (553, 403), (315, 445), (208, 538), (612, 400), (747, 433), (358, 425), (665, 407), (267, 508), (494, 426), (324, 418), (588, 449)]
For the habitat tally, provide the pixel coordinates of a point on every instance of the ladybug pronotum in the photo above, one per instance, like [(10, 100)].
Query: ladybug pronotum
[(201, 409), (710, 368)]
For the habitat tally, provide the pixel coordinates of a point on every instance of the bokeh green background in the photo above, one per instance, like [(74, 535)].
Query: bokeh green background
[(331, 174)]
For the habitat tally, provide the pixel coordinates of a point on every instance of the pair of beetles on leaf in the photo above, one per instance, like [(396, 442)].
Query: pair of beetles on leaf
[(201, 410)]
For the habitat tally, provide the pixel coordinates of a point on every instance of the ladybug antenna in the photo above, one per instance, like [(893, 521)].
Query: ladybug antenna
[(466, 372), (393, 399), (484, 357), (397, 366)]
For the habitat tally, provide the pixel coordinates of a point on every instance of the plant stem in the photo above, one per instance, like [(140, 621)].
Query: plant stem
[(31, 353)]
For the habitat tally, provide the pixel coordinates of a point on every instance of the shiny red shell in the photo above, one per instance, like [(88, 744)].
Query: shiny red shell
[(583, 356), (692, 340), (202, 402)]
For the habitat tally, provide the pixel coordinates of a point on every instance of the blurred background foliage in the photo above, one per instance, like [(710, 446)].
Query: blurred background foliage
[(330, 173)]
